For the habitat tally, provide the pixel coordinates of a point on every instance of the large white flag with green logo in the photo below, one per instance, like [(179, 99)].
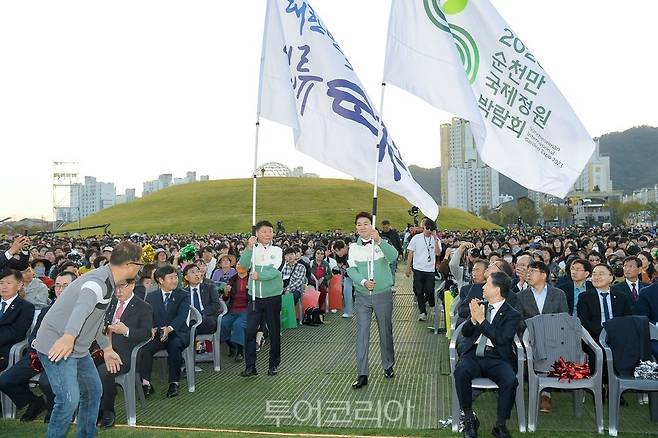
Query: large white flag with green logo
[(462, 57)]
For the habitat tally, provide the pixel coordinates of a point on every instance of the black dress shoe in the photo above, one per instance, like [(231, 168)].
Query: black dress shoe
[(173, 390), (500, 431), (239, 357), (34, 409), (148, 390), (360, 382), (389, 373), (108, 419), (471, 426), (273, 371), (248, 373)]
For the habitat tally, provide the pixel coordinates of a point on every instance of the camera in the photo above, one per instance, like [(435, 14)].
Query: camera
[(474, 252)]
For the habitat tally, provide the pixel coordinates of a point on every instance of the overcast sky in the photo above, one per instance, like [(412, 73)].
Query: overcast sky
[(133, 89)]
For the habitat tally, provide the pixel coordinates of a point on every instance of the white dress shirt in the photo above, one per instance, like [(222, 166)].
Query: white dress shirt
[(540, 298), (492, 315), (198, 291)]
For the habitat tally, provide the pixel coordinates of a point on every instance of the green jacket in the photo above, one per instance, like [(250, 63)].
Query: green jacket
[(359, 259), (266, 262)]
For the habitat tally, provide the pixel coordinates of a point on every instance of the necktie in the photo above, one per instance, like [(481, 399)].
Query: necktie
[(606, 310), (482, 342), (117, 316), (2, 310), (634, 292), (196, 300), (166, 303)]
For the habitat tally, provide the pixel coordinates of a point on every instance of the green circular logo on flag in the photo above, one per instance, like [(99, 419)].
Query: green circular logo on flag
[(465, 43)]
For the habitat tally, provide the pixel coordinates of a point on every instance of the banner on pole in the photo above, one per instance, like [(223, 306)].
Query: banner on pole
[(308, 83), (462, 57)]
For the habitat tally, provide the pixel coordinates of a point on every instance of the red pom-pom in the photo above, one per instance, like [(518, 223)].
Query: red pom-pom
[(567, 370)]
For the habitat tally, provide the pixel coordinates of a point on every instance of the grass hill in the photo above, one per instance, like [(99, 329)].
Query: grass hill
[(307, 204)]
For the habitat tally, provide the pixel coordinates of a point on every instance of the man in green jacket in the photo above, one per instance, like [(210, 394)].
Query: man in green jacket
[(372, 281), (265, 288)]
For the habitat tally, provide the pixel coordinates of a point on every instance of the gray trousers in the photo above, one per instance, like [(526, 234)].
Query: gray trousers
[(382, 305)]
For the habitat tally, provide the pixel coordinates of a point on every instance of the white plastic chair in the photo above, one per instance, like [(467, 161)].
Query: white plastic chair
[(538, 383), (215, 338), (484, 383), (617, 385)]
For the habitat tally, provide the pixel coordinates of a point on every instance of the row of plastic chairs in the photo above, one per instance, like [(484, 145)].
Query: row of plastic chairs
[(538, 383), (130, 382)]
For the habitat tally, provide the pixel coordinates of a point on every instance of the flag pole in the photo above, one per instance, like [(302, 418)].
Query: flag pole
[(371, 270), (255, 173)]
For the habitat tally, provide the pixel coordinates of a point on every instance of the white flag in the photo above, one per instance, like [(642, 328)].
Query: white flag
[(308, 84), (462, 57)]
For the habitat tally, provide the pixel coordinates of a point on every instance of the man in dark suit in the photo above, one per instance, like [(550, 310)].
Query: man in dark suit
[(204, 297), (15, 381), (580, 270), (16, 314), (473, 290), (129, 321), (631, 285), (540, 298), (171, 306), (647, 305), (18, 247), (601, 304), (487, 350)]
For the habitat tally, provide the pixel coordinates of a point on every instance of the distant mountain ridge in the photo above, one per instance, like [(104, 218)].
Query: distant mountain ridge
[(633, 164)]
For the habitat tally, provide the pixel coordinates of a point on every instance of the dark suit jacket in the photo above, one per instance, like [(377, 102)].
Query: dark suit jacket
[(14, 326), (647, 304), (176, 313), (476, 292), (19, 264), (623, 288), (209, 299), (567, 287), (37, 324), (556, 302), (138, 317), (589, 309), (501, 332)]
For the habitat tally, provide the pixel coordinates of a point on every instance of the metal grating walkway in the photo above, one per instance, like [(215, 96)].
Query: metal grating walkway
[(313, 386)]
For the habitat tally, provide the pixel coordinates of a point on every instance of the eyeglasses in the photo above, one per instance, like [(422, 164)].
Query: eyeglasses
[(601, 274), (534, 271), (574, 269), (136, 263)]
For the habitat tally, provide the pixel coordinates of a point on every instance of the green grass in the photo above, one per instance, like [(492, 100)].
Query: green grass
[(13, 428), (305, 204)]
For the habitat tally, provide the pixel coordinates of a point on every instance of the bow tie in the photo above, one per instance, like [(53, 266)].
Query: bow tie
[(366, 242)]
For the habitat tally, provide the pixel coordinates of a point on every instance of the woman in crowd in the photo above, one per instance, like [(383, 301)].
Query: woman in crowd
[(320, 275)]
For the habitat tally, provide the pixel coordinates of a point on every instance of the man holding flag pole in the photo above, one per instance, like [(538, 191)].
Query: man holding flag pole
[(308, 83)]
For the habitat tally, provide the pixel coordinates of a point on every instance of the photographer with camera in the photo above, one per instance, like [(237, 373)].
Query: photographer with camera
[(462, 274), (421, 259), (18, 248)]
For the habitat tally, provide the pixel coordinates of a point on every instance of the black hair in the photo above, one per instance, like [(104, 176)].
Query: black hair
[(262, 224), (501, 281), (163, 271), (364, 214), (69, 273), (543, 267), (386, 222), (606, 266), (126, 252), (587, 266), (188, 267), (11, 273), (637, 261)]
